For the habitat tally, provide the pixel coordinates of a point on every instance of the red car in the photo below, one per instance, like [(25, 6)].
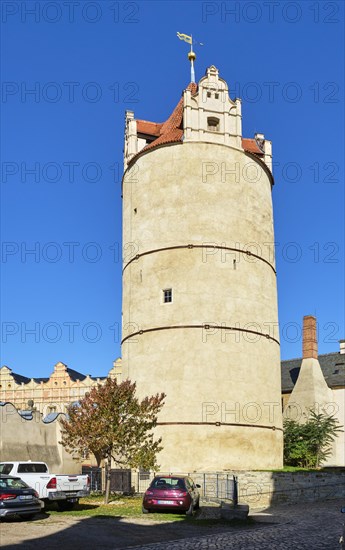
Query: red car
[(172, 493)]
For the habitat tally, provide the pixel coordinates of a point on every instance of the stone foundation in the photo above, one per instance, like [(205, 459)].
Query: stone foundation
[(263, 489)]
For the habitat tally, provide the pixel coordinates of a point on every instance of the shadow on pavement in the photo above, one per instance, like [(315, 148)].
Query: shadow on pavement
[(315, 524), (71, 532)]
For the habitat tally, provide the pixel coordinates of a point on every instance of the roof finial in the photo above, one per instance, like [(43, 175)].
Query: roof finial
[(191, 54)]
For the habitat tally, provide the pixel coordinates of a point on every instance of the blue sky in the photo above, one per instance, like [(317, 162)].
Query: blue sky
[(70, 70)]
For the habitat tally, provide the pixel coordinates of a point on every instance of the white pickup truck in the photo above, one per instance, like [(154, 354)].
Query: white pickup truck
[(63, 489)]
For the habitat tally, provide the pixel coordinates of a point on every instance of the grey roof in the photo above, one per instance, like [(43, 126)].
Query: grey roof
[(20, 379), (75, 375), (332, 366)]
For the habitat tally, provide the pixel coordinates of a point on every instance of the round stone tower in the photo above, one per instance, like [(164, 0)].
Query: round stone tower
[(200, 318)]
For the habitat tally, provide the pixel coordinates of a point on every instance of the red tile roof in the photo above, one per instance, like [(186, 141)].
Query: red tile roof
[(150, 128), (251, 146), (171, 131)]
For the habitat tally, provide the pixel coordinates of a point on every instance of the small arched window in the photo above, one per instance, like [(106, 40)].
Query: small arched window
[(212, 124)]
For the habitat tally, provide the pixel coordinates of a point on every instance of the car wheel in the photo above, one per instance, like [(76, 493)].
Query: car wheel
[(190, 510), (197, 506), (144, 511), (27, 516)]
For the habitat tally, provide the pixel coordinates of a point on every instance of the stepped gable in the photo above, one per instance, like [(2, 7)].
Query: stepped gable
[(171, 131)]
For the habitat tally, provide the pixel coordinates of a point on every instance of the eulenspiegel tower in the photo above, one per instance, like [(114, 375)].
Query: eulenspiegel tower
[(199, 282)]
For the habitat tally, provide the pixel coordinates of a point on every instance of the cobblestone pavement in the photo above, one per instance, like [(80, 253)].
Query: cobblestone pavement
[(314, 526)]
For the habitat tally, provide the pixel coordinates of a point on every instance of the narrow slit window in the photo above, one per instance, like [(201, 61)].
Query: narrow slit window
[(167, 295)]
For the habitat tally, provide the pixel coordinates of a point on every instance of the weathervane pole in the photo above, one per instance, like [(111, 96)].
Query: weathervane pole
[(191, 57)]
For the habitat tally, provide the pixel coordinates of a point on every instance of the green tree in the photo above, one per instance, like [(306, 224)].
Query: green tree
[(113, 424), (309, 444)]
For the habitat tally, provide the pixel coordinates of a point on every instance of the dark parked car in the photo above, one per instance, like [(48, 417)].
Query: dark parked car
[(172, 493), (17, 498)]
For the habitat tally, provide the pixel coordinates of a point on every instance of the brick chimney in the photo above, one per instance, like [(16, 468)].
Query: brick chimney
[(309, 337), (342, 346)]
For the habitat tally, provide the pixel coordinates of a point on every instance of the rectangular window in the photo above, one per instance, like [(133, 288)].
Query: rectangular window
[(213, 124), (31, 468), (167, 295)]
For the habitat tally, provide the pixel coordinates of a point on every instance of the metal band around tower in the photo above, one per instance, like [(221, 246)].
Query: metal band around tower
[(191, 246), (240, 425), (205, 326)]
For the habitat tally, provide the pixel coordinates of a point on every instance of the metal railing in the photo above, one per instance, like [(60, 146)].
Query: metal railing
[(120, 479), (95, 475), (213, 486)]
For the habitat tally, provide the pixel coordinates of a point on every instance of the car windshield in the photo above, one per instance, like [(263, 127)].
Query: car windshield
[(12, 483), (167, 483)]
